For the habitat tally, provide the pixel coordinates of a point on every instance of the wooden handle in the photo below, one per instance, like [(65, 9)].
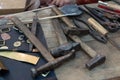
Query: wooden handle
[(114, 6), (45, 53), (97, 26), (84, 46), (59, 32)]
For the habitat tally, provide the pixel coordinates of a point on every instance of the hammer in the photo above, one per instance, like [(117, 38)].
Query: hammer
[(52, 62), (96, 59)]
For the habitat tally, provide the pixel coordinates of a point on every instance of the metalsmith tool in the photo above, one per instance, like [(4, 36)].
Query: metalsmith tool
[(65, 46), (52, 62), (92, 31), (97, 59), (100, 28), (112, 25), (64, 49), (103, 31), (76, 19)]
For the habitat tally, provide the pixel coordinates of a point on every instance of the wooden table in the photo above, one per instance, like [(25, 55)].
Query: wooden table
[(75, 68)]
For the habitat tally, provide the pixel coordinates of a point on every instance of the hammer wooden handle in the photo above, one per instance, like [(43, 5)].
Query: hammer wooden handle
[(97, 26), (84, 46), (45, 53)]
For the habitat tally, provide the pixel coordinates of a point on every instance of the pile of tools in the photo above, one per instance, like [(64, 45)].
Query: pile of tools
[(99, 24)]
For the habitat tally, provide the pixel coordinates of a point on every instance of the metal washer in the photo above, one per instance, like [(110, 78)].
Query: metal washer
[(17, 44)]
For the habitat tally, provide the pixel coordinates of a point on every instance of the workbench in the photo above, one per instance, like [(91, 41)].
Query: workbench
[(75, 68)]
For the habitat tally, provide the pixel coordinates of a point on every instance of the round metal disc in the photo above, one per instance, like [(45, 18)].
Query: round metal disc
[(21, 37), (5, 36), (28, 41), (17, 44)]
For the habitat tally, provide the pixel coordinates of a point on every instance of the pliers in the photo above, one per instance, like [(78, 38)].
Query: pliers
[(107, 20), (92, 31)]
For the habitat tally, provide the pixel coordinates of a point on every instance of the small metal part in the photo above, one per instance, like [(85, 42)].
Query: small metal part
[(15, 28), (5, 36), (5, 30), (21, 37), (28, 41), (17, 44), (2, 42), (45, 74), (65, 49), (4, 47), (97, 60), (20, 31), (35, 50)]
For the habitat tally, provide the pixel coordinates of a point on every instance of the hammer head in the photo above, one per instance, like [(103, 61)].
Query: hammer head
[(76, 31), (65, 49), (95, 61)]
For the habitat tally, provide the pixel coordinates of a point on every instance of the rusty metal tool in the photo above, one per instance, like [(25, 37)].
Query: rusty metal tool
[(97, 59), (111, 24), (92, 21), (65, 46), (65, 49), (77, 20), (52, 62), (103, 31)]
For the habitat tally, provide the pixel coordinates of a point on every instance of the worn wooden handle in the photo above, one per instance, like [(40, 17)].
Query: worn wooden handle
[(84, 46), (97, 26)]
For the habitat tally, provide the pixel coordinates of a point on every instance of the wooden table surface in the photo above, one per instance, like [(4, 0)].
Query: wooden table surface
[(75, 68)]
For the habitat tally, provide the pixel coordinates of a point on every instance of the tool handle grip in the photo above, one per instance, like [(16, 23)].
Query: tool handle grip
[(97, 26), (84, 46), (65, 19), (114, 6)]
